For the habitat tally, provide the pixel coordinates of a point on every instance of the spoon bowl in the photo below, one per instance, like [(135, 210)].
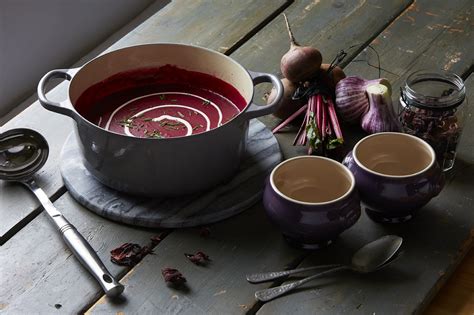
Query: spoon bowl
[(375, 254), (22, 153), (369, 258)]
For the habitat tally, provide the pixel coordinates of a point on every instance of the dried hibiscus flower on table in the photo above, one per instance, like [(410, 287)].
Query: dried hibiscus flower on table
[(129, 254), (173, 276), (198, 259)]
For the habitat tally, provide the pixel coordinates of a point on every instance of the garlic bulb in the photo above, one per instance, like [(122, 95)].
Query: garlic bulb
[(380, 116), (351, 98)]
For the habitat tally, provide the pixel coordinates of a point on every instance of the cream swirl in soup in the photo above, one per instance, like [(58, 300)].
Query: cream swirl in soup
[(163, 102)]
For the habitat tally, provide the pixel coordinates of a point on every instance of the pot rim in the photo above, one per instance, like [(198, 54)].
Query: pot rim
[(421, 141), (172, 138), (305, 203)]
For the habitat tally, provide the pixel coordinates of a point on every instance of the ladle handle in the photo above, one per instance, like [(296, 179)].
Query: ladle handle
[(78, 245), (87, 256), (269, 294)]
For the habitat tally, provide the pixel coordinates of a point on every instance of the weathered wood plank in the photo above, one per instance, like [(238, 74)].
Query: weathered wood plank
[(435, 242), (327, 25), (218, 25), (429, 35), (244, 244), (38, 271), (193, 22), (258, 243), (457, 296)]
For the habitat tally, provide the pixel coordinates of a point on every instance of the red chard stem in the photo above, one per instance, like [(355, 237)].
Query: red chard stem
[(324, 120), (301, 130), (334, 121), (317, 100), (289, 119)]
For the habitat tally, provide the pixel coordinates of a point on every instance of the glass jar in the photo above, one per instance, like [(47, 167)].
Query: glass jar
[(431, 108)]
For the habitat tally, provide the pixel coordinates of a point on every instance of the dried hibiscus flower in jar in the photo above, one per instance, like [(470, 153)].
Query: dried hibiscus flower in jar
[(431, 109)]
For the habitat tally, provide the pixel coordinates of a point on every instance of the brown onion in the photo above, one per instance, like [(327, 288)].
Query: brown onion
[(300, 63)]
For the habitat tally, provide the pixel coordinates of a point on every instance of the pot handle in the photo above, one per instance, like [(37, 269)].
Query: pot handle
[(254, 110), (63, 107)]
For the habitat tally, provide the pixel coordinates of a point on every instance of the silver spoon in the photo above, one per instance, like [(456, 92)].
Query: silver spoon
[(369, 258), (22, 153)]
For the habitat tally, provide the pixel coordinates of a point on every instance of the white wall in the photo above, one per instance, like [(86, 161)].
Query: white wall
[(39, 35)]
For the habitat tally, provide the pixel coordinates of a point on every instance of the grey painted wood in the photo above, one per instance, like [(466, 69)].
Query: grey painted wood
[(429, 35), (243, 244), (327, 25), (178, 21), (38, 270), (222, 202), (218, 25)]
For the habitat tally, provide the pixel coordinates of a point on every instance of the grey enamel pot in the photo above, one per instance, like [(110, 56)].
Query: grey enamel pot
[(169, 166)]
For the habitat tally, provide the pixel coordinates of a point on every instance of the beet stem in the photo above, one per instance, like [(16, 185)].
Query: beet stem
[(303, 125), (333, 117), (290, 33), (322, 117), (290, 119), (318, 113)]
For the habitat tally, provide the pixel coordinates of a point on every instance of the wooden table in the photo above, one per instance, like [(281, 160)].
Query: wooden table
[(40, 275)]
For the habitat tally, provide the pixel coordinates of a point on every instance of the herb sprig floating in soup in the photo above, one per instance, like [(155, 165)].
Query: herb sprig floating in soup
[(164, 102)]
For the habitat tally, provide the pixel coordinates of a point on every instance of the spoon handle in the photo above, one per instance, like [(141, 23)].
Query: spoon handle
[(269, 294), (262, 277), (78, 245)]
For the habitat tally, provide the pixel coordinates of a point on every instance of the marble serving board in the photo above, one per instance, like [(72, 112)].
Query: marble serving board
[(241, 192)]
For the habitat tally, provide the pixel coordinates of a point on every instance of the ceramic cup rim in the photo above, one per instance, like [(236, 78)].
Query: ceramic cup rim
[(400, 134), (332, 201)]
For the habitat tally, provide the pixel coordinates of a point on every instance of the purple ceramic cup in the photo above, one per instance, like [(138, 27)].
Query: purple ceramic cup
[(312, 200), (395, 173)]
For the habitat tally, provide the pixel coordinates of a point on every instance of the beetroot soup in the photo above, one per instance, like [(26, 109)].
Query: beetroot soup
[(162, 102)]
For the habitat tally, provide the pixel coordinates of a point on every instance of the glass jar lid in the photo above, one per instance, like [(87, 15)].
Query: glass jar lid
[(433, 90)]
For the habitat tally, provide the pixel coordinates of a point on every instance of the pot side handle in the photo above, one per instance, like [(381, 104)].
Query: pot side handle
[(254, 110), (64, 107)]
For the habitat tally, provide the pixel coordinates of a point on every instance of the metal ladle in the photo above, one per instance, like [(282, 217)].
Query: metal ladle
[(371, 257), (22, 153)]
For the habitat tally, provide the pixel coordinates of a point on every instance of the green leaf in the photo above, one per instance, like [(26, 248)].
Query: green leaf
[(334, 143), (312, 132)]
